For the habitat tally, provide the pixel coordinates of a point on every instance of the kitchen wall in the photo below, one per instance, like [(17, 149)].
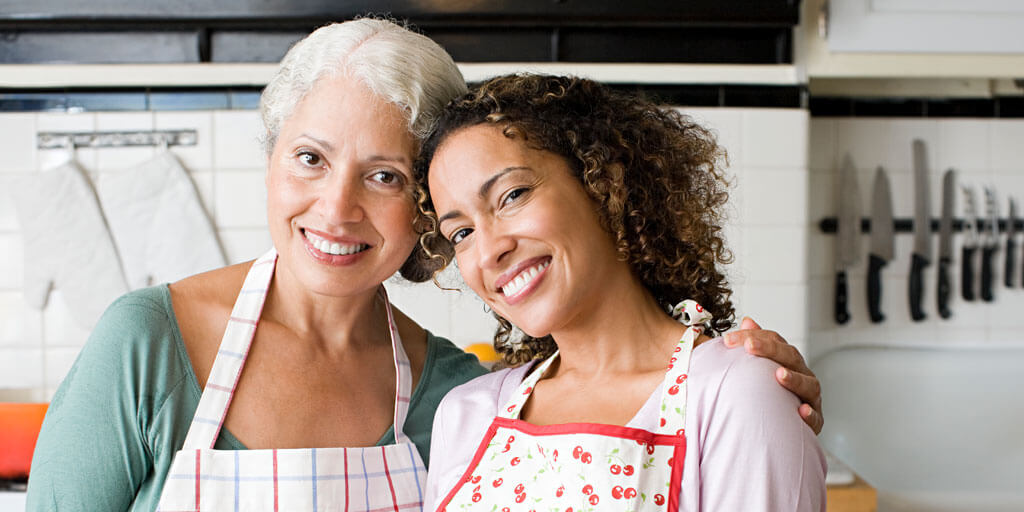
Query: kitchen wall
[(985, 152), (767, 227)]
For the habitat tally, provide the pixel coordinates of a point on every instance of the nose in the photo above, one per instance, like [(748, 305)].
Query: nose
[(341, 200), (493, 244)]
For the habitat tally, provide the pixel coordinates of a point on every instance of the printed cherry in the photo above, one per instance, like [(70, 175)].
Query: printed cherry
[(476, 497), (680, 379), (476, 479), (673, 390), (617, 492), (627, 470), (511, 439), (586, 458), (588, 489), (594, 499), (515, 461), (659, 499), (521, 497), (519, 489), (507, 448), (560, 491), (554, 455), (497, 483), (629, 493), (506, 509), (576, 452), (650, 449), (615, 469)]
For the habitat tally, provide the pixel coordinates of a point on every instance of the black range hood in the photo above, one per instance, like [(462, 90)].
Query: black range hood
[(133, 31)]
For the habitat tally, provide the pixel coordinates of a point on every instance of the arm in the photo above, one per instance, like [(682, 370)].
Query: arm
[(793, 375), (754, 453), (91, 452)]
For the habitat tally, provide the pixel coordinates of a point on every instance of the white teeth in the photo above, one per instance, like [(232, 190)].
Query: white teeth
[(333, 248), (514, 286)]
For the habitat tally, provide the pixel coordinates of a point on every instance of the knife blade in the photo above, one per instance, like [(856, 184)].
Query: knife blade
[(970, 246), (990, 246), (942, 292), (882, 242), (847, 235), (922, 255), (1011, 245)]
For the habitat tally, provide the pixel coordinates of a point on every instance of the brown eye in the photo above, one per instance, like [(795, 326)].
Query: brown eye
[(310, 159)]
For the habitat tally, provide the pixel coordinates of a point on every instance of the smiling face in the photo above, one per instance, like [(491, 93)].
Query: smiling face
[(339, 178), (527, 237)]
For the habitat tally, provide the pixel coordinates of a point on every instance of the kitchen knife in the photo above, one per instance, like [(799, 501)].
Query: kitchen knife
[(990, 245), (1011, 245), (922, 255), (942, 292), (847, 234), (881, 251), (970, 247)]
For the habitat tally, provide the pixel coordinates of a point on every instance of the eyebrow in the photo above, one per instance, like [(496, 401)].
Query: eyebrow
[(324, 143), (485, 189)]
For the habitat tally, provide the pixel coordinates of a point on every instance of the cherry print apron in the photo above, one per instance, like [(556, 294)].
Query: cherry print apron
[(580, 467), (375, 478)]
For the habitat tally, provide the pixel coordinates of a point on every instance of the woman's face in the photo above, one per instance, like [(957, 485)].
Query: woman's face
[(338, 180), (527, 237)]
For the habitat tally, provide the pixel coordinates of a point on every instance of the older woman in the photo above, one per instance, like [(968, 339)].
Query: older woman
[(288, 382), (580, 216)]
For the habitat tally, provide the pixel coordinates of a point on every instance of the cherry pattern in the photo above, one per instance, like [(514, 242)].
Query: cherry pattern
[(520, 471)]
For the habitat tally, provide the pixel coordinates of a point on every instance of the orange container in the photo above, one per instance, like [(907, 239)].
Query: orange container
[(19, 428)]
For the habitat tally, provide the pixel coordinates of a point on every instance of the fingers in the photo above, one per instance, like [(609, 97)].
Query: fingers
[(812, 418), (805, 387), (749, 323)]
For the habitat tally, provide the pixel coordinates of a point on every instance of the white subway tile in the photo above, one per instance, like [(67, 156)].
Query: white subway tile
[(12, 261), (194, 158), (18, 142), (244, 244), (204, 182), (774, 197), (57, 363), (775, 137), (902, 133), (21, 367), (20, 324), (778, 307), (726, 125), (821, 249), (822, 145), (1005, 148), (123, 158), (236, 140), (775, 254), (866, 141), (963, 144), (821, 195), (241, 199), (425, 303), (60, 329)]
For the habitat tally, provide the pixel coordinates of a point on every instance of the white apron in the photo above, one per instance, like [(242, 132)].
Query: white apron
[(375, 478), (576, 467)]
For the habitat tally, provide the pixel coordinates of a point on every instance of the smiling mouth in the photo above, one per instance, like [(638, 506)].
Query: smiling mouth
[(333, 248), (524, 278)]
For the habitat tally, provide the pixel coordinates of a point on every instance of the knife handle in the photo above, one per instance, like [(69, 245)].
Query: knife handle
[(1011, 251), (842, 306), (917, 265), (967, 273), (875, 288), (944, 288), (988, 256)]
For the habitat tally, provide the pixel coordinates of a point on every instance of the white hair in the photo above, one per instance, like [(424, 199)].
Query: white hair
[(395, 63)]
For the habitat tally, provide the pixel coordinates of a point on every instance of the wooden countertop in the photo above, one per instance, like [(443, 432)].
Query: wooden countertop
[(856, 497)]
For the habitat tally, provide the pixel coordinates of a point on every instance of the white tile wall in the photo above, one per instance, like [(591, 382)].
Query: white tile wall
[(984, 152), (768, 150)]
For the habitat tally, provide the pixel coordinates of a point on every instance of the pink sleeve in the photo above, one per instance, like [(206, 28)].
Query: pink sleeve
[(755, 453)]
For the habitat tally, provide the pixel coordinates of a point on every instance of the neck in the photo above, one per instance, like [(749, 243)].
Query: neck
[(628, 334), (332, 323)]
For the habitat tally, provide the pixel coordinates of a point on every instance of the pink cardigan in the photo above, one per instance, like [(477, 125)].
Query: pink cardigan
[(747, 448)]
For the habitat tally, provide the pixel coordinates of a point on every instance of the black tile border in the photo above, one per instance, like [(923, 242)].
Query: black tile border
[(247, 97), (1009, 107)]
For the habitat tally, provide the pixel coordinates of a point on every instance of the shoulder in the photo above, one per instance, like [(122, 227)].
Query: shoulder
[(138, 314), (482, 396), (734, 375)]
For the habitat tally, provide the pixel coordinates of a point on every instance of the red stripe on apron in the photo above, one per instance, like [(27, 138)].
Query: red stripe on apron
[(197, 480), (345, 451), (275, 480), (384, 457)]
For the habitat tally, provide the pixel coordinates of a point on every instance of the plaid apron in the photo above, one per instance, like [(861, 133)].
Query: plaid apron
[(374, 478), (583, 466)]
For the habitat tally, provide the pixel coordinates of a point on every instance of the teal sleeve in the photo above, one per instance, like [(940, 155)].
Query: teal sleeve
[(94, 451), (446, 366)]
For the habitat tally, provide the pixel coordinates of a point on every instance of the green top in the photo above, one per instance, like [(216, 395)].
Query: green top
[(125, 407)]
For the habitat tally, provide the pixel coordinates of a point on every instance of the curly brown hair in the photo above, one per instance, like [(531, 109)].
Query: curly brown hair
[(656, 176)]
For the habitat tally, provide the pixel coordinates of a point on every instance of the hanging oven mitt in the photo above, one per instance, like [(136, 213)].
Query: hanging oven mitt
[(158, 222), (67, 244)]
